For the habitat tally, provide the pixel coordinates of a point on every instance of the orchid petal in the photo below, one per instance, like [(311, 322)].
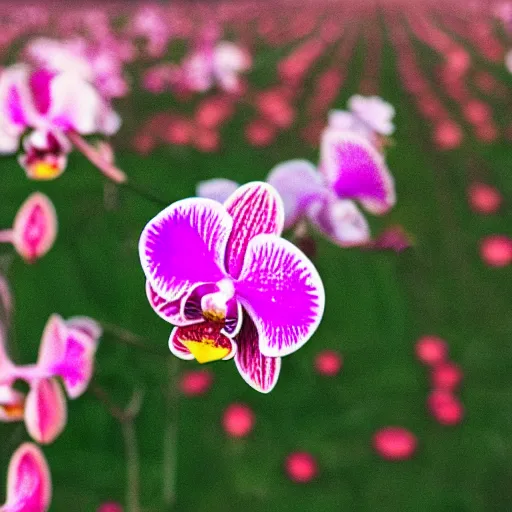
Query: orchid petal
[(282, 292), (45, 411), (85, 325), (68, 353), (29, 486), (259, 371), (35, 227), (69, 114), (299, 185), (374, 112), (12, 404), (342, 221), (204, 341), (184, 246), (256, 208), (218, 189), (356, 170)]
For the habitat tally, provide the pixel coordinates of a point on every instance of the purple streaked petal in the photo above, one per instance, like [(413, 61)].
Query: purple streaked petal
[(39, 84), (205, 342), (342, 222), (259, 371), (300, 185), (218, 189), (256, 208), (45, 410), (184, 245), (282, 292), (29, 486), (356, 170)]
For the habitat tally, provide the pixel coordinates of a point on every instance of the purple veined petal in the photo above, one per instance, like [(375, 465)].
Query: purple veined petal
[(29, 485), (12, 404), (356, 170), (205, 342), (184, 245), (256, 208), (172, 311), (45, 411), (282, 292), (234, 319), (177, 348), (39, 83), (259, 371), (218, 189), (341, 221), (299, 184), (35, 227)]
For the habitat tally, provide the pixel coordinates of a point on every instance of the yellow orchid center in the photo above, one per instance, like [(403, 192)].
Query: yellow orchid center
[(206, 350), (44, 171), (13, 411)]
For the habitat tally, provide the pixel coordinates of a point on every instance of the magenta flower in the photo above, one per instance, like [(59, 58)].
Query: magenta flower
[(44, 102), (351, 169), (230, 284), (29, 485), (35, 228), (370, 117), (66, 352)]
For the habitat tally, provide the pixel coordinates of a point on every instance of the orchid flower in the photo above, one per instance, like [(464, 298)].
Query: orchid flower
[(29, 485), (44, 103), (34, 229), (96, 64), (351, 170), (371, 117), (66, 352), (213, 63), (231, 286)]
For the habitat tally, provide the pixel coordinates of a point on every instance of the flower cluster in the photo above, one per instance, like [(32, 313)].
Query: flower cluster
[(350, 170), (66, 352)]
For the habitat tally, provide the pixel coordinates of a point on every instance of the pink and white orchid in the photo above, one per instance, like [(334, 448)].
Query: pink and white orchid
[(43, 102), (351, 169), (213, 63), (370, 117), (231, 285), (29, 485), (34, 229), (67, 353)]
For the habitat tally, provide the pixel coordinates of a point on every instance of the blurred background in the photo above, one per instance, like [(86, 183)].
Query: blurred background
[(443, 66)]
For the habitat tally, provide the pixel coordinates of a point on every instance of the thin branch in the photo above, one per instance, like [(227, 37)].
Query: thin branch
[(133, 340)]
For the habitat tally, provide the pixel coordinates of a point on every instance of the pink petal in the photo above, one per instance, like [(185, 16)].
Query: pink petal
[(218, 189), (85, 325), (184, 246), (259, 371), (341, 221), (29, 486), (256, 208), (356, 170), (45, 411), (35, 227), (282, 292), (299, 184)]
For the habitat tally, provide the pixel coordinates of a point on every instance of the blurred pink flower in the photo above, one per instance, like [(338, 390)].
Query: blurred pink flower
[(238, 420), (29, 486), (484, 198), (301, 467), (34, 229), (395, 443), (496, 250), (431, 350), (328, 363)]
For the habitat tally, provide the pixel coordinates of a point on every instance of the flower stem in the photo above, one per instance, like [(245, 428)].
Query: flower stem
[(6, 235), (170, 453), (126, 418), (113, 173), (133, 340)]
